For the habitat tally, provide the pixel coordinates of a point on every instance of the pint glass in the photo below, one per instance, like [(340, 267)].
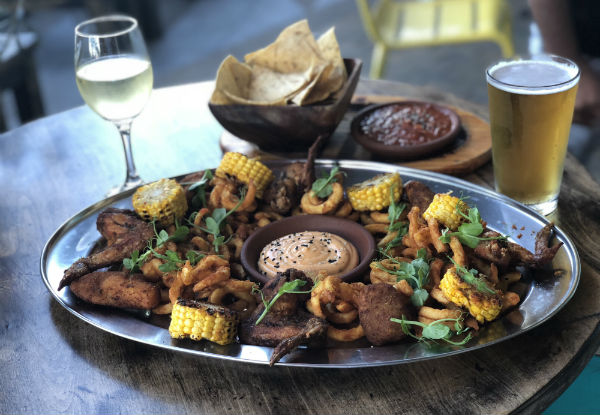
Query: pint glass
[(531, 104)]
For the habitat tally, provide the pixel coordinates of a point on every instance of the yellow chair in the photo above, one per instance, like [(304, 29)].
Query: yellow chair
[(413, 23)]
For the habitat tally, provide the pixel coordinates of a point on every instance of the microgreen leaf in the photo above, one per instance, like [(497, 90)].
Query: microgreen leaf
[(289, 287), (322, 187), (470, 277), (468, 232), (215, 221), (436, 330), (415, 272), (199, 198), (420, 295), (136, 260)]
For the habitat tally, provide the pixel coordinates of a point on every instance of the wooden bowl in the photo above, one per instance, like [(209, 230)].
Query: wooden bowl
[(289, 127), (347, 229), (401, 151)]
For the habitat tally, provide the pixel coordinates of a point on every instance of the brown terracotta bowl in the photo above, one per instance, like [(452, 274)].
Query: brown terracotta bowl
[(349, 230), (289, 127), (400, 151)]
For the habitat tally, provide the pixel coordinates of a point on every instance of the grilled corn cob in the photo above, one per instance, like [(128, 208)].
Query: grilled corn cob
[(244, 169), (374, 194), (163, 200), (199, 320), (445, 209), (482, 306)]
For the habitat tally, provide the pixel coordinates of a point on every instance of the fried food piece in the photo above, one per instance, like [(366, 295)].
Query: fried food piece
[(117, 289), (504, 253), (198, 320), (280, 196), (377, 303), (418, 194), (286, 325), (313, 205), (124, 233)]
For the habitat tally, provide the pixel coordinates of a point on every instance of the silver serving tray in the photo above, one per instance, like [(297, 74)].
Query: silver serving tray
[(544, 293)]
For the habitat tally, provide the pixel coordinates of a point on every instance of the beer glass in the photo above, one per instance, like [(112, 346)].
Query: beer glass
[(531, 102), (114, 76)]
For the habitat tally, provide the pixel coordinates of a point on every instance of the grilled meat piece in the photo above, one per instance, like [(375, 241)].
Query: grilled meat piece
[(117, 289), (287, 324), (124, 233), (418, 194), (504, 253), (281, 195), (377, 303)]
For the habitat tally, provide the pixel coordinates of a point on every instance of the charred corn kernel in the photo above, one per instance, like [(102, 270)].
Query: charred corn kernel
[(163, 200), (198, 320), (482, 306), (244, 169), (444, 208), (374, 194)]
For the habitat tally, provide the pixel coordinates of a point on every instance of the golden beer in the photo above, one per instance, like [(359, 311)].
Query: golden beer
[(531, 109)]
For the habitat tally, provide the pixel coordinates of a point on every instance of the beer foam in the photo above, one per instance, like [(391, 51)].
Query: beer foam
[(533, 77)]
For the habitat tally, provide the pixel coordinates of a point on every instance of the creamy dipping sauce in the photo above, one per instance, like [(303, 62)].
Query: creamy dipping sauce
[(309, 251)]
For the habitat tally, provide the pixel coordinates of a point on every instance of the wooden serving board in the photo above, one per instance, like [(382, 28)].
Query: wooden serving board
[(472, 148)]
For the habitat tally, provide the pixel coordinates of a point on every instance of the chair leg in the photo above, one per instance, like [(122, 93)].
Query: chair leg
[(378, 58), (28, 96), (506, 46)]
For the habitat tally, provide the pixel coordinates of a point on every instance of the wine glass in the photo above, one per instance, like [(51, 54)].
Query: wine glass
[(114, 77)]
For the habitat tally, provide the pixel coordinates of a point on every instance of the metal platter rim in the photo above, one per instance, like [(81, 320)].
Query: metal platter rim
[(347, 164)]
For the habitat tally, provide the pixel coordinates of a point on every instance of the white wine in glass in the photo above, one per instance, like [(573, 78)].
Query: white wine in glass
[(114, 76)]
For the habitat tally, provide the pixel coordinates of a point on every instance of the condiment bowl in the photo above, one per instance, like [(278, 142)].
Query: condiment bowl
[(289, 127), (347, 229), (400, 151)]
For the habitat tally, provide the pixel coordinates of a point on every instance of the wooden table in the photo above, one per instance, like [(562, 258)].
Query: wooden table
[(52, 362)]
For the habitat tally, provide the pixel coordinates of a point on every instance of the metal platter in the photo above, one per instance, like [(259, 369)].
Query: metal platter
[(543, 294)]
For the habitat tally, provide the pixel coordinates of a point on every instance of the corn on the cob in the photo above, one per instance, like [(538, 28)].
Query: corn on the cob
[(444, 208), (163, 200), (199, 320), (374, 194), (244, 169), (482, 306)]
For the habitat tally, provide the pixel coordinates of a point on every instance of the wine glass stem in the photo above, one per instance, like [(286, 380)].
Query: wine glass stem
[(132, 178)]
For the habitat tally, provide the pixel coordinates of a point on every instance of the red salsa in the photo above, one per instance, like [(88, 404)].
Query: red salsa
[(405, 124)]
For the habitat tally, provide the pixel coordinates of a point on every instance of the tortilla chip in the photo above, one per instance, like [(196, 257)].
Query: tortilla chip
[(232, 76), (269, 85), (295, 68), (335, 76), (294, 50), (303, 96)]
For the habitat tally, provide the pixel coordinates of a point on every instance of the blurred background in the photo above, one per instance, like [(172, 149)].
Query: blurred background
[(189, 38)]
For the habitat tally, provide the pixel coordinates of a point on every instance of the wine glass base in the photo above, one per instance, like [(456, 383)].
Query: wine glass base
[(129, 184)]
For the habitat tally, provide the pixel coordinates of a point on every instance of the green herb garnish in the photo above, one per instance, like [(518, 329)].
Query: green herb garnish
[(468, 232), (394, 211), (470, 277), (415, 272), (322, 187), (136, 260), (215, 222), (436, 330), (199, 199), (290, 287)]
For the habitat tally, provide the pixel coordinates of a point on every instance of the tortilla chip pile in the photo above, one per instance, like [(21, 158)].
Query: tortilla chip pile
[(296, 69)]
